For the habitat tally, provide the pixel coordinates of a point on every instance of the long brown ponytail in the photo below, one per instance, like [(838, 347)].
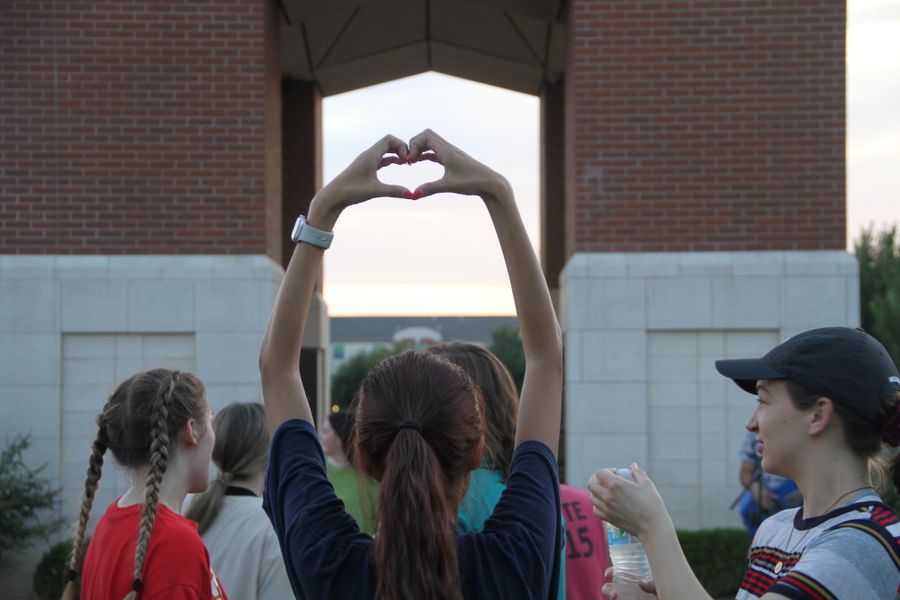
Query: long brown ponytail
[(137, 424), (419, 432)]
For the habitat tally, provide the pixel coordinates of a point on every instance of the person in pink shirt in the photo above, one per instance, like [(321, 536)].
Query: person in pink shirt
[(587, 555)]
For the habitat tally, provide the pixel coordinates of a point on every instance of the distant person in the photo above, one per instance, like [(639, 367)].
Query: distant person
[(419, 425), (158, 426), (587, 555), (501, 401), (764, 493), (501, 406), (358, 492), (242, 545)]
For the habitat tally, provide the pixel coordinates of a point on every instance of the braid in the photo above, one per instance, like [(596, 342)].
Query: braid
[(159, 454), (95, 467)]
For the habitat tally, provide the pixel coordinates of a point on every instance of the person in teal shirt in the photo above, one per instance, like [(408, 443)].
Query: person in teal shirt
[(500, 401)]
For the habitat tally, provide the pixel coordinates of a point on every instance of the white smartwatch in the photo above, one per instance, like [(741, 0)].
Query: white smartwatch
[(304, 232)]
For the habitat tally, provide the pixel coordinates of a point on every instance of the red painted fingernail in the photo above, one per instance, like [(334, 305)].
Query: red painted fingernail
[(409, 195), (418, 194)]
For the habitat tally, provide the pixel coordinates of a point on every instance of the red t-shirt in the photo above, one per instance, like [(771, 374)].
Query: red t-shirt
[(587, 556), (176, 566)]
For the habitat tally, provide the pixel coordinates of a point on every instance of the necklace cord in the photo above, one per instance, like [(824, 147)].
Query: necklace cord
[(787, 546)]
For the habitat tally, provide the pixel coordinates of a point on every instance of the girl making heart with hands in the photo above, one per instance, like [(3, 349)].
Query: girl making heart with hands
[(419, 427)]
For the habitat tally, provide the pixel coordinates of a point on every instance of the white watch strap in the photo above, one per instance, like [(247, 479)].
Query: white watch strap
[(304, 232)]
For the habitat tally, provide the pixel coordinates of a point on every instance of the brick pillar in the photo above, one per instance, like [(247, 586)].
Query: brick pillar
[(704, 218), (553, 190)]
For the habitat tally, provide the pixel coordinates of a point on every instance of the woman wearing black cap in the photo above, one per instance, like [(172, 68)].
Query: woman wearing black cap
[(828, 398)]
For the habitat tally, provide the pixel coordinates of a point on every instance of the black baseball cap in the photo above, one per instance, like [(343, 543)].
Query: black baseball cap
[(844, 364)]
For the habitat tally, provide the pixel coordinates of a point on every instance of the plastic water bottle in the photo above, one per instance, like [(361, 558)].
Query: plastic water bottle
[(628, 558)]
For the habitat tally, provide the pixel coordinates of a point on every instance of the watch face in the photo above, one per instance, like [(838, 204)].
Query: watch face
[(304, 232), (298, 226)]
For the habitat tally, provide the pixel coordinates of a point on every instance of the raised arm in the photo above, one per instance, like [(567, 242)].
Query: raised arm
[(279, 356), (541, 398)]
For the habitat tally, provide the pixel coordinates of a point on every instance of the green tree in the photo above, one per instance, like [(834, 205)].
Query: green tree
[(506, 343), (879, 282), (349, 375), (25, 498)]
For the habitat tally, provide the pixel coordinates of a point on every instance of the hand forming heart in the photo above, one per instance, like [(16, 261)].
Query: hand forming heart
[(462, 173), (359, 181)]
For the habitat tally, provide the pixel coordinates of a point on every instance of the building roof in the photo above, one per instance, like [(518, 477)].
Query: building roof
[(370, 329)]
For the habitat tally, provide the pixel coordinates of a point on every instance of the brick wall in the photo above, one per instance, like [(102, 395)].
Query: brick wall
[(132, 127), (705, 126)]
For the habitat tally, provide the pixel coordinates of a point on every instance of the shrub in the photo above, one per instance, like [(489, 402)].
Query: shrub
[(52, 572), (718, 558), (25, 497)]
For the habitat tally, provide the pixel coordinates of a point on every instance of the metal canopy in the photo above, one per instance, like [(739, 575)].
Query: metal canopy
[(344, 45)]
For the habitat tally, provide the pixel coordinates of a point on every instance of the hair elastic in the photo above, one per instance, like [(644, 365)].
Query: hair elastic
[(890, 432), (410, 425), (136, 585), (73, 574)]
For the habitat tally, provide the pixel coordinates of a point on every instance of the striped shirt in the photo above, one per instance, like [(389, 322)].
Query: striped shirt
[(849, 553)]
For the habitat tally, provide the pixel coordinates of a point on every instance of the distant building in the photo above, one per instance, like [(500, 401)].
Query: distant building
[(353, 335)]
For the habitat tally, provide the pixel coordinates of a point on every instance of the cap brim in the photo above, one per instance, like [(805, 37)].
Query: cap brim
[(746, 371)]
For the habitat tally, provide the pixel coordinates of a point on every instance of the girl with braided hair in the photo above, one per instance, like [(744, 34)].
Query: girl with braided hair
[(419, 426), (157, 424)]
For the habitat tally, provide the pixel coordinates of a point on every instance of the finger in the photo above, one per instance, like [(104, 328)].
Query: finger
[(648, 585), (609, 591), (608, 574), (600, 506), (391, 144), (391, 191), (604, 478), (433, 187), (391, 159), (424, 156), (638, 474), (427, 140)]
